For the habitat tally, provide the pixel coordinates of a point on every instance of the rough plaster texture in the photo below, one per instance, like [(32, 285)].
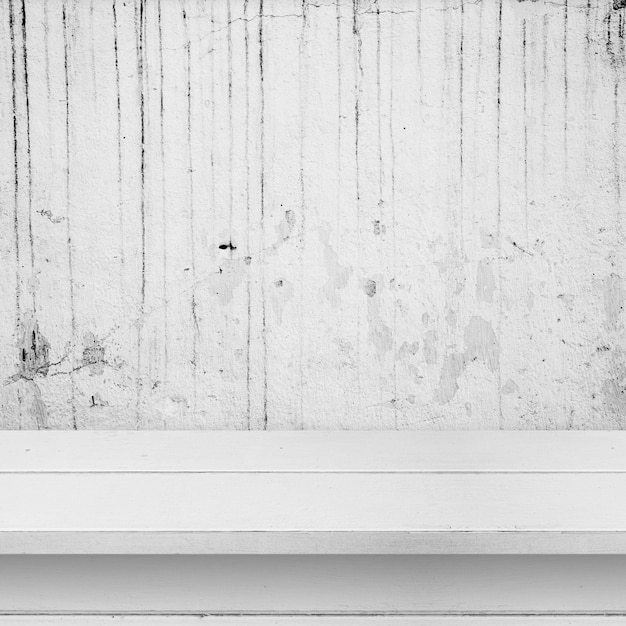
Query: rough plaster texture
[(294, 214)]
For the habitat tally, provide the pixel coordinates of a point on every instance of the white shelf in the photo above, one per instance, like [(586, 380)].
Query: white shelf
[(312, 493)]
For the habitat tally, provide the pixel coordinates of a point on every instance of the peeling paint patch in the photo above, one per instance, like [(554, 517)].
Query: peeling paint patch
[(93, 355), (614, 392), (34, 351), (613, 300), (408, 349), (510, 387), (369, 287), (97, 401), (568, 299), (613, 388), (286, 225), (380, 333), (282, 293), (48, 214), (381, 337), (230, 277), (430, 347), (487, 239), (34, 362), (481, 343), (34, 405), (485, 281), (453, 366), (338, 275), (379, 229)]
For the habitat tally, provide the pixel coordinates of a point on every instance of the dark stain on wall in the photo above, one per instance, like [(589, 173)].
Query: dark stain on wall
[(93, 355), (34, 352), (370, 288)]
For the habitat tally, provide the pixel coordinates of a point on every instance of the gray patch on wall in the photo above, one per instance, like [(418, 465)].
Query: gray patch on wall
[(485, 282), (430, 347), (34, 351), (338, 275), (34, 361), (93, 355), (481, 344), (380, 333), (369, 287), (614, 388), (613, 300)]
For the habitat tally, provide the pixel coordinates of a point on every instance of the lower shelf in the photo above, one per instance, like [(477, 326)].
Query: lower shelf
[(295, 620), (314, 585)]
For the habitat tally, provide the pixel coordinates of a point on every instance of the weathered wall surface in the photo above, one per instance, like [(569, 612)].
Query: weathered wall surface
[(294, 214)]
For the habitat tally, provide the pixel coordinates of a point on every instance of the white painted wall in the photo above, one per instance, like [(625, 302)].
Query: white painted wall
[(286, 214)]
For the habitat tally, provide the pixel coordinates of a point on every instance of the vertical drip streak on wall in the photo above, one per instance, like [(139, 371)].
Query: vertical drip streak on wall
[(461, 135), (418, 50), (392, 142), (231, 132), (247, 160), (565, 91), (46, 21), (616, 152), (16, 178), (28, 153), (617, 156), (120, 171), (477, 89), (142, 200), (378, 114), (164, 260), (192, 210), (358, 73), (525, 108), (587, 73), (339, 101), (16, 183), (339, 217), (229, 47), (262, 189), (381, 204), (302, 87), (544, 108), (94, 76), (68, 220), (499, 201), (213, 82)]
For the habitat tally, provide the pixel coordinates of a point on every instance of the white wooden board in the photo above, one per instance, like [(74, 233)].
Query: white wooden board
[(397, 526), (311, 585), (311, 451), (313, 493), (298, 620)]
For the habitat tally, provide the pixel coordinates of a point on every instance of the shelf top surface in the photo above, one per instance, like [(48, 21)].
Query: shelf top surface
[(312, 492), (312, 451)]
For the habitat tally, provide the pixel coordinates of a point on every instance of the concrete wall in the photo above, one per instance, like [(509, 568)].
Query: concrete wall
[(293, 214)]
